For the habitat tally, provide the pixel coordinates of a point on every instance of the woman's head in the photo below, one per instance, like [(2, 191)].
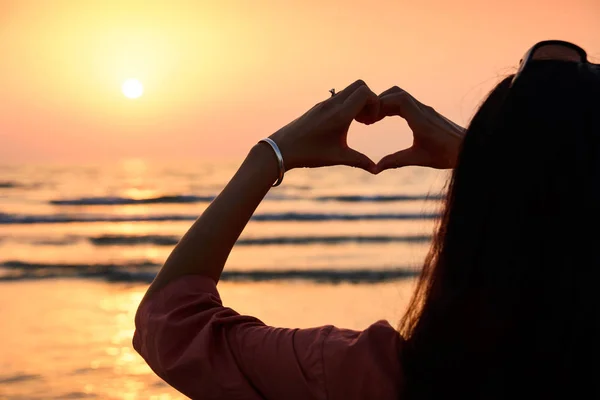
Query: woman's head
[(507, 295)]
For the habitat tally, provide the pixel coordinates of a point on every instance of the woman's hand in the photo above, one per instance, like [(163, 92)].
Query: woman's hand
[(318, 138), (436, 139)]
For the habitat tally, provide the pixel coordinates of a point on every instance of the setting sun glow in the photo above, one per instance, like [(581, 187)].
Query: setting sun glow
[(132, 88), (206, 79)]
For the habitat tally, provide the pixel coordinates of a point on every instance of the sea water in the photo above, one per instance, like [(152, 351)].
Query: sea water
[(80, 243)]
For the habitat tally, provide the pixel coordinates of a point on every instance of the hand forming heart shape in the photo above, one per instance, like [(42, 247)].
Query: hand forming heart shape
[(436, 139), (319, 137)]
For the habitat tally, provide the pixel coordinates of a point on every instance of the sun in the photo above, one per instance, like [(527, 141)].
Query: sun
[(132, 88)]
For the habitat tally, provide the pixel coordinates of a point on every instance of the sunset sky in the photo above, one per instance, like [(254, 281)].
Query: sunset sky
[(219, 75)]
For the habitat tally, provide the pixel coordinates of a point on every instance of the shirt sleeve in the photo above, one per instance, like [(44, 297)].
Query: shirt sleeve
[(363, 364), (208, 351)]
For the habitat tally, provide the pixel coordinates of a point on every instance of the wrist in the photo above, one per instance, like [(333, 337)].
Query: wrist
[(264, 161), (455, 130), (286, 149)]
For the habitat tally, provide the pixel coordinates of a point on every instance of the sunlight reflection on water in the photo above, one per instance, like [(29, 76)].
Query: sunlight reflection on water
[(72, 338)]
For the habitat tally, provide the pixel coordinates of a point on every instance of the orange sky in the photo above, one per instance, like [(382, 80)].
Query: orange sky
[(219, 75)]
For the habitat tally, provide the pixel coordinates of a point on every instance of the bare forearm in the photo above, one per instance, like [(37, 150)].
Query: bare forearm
[(204, 249), (316, 139)]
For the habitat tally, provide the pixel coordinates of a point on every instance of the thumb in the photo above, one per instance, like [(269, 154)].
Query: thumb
[(353, 158), (402, 158), (360, 99)]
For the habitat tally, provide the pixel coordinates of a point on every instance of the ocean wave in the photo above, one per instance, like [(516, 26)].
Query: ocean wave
[(9, 185), (139, 272), (129, 240), (25, 265), (294, 216), (160, 240), (380, 198), (9, 219), (122, 201), (20, 270), (111, 201), (18, 378), (64, 241), (188, 199), (19, 185)]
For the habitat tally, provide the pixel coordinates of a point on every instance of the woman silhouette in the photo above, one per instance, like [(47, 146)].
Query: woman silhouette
[(507, 304)]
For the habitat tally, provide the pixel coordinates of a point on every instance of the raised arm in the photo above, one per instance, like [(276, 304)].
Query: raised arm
[(316, 139), (209, 351)]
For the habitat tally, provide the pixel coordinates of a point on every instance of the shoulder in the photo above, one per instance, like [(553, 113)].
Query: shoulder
[(363, 364)]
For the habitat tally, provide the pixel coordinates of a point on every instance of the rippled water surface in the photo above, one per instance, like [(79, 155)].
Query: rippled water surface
[(79, 244)]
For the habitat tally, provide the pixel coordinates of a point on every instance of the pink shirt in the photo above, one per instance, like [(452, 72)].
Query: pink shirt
[(208, 351)]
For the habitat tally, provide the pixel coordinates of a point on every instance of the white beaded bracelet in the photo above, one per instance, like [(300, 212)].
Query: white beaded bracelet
[(275, 148)]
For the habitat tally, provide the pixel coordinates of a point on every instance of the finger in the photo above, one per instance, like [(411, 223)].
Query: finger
[(364, 117), (372, 111), (402, 158), (344, 94), (361, 99), (369, 114), (393, 89), (401, 104), (357, 159)]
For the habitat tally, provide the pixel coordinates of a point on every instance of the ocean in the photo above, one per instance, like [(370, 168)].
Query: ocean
[(80, 243)]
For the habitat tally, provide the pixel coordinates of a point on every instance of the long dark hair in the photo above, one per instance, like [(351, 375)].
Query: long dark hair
[(508, 302)]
